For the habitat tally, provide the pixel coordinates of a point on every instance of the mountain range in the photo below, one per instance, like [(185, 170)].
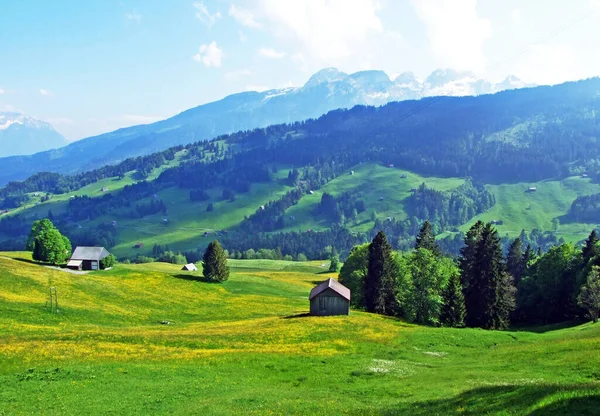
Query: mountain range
[(326, 90), (24, 135)]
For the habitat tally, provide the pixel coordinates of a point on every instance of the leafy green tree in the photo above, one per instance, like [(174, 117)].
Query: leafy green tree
[(453, 309), (380, 283), (214, 264), (426, 239), (51, 247), (47, 243), (38, 228), (589, 296), (429, 275), (107, 262), (549, 293), (514, 259), (301, 257), (353, 274), (334, 264)]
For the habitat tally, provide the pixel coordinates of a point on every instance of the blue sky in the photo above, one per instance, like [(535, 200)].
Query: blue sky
[(96, 65)]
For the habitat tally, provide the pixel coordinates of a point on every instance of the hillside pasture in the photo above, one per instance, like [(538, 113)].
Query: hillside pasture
[(245, 347)]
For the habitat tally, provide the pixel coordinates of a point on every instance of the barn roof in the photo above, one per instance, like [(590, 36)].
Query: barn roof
[(332, 284), (190, 267), (89, 253)]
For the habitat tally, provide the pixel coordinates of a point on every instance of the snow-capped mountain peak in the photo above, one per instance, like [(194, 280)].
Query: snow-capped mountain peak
[(21, 134)]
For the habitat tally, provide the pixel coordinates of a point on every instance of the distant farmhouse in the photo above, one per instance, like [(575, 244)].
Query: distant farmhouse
[(190, 268), (329, 298), (87, 258)]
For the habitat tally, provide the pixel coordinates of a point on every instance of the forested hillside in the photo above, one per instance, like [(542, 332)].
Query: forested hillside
[(305, 187)]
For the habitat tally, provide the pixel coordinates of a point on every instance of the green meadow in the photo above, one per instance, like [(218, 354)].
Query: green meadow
[(385, 191), (245, 347)]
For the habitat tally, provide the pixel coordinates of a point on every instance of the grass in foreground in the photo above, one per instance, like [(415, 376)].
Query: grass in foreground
[(243, 348)]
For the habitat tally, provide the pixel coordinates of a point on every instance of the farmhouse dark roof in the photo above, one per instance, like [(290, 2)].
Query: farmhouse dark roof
[(332, 284), (89, 253)]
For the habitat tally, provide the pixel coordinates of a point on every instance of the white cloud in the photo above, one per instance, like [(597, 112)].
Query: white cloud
[(133, 16), (45, 93), (270, 53), (544, 64), (259, 88), (240, 73), (59, 120), (516, 16), (140, 119), (456, 32), (326, 32), (243, 37), (243, 16), (209, 55), (9, 108), (204, 15), (1, 91)]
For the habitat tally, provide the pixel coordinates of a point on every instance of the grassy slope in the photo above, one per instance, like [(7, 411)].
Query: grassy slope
[(524, 210), (230, 351), (373, 182), (188, 221)]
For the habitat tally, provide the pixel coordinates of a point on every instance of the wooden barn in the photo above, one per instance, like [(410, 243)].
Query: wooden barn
[(190, 268), (87, 258), (329, 298)]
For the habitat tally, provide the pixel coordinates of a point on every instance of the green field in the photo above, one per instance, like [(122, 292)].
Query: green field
[(520, 210), (243, 347), (383, 189)]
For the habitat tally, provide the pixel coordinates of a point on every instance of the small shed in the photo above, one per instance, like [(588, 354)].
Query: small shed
[(87, 258), (532, 189), (329, 298), (190, 268)]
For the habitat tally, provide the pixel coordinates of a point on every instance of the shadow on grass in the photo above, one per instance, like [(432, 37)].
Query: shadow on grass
[(193, 278), (538, 400), (547, 328), (37, 263), (298, 315)]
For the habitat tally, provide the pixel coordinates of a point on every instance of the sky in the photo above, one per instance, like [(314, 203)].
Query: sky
[(93, 66)]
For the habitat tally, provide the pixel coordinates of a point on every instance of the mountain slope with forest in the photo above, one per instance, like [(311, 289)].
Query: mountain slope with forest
[(336, 180), (326, 90)]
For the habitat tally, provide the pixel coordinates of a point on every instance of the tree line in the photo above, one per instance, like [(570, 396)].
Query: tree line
[(483, 288)]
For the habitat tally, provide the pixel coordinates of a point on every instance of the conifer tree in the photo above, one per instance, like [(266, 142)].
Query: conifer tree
[(589, 297), (468, 257), (514, 260), (380, 282), (492, 292), (453, 309), (214, 264), (591, 248), (528, 257), (426, 239)]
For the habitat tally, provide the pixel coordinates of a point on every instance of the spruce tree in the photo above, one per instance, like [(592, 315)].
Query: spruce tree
[(468, 257), (426, 239), (380, 283), (453, 309), (591, 248), (514, 259), (214, 264), (492, 292), (528, 257)]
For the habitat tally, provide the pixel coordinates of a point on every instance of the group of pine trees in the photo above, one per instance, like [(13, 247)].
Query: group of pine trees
[(483, 289)]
